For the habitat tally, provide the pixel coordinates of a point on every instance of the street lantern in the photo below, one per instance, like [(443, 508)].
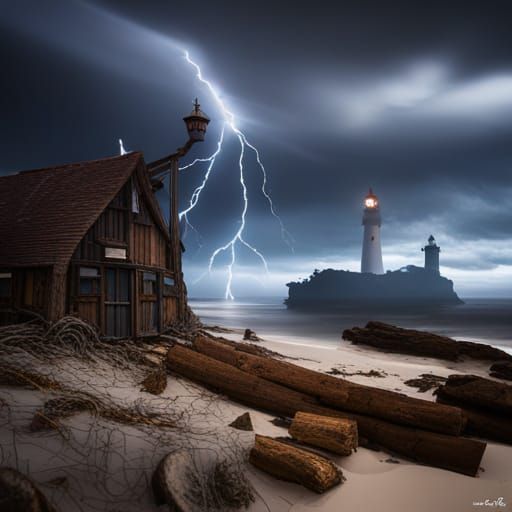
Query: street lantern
[(196, 123)]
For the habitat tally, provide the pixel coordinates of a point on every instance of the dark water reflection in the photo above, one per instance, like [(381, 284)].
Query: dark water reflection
[(486, 320)]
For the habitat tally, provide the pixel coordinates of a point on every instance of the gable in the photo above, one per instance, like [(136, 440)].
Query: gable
[(45, 213)]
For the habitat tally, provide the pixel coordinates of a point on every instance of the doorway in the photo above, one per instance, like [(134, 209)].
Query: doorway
[(118, 322)]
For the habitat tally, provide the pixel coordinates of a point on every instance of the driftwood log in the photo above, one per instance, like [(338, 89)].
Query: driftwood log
[(337, 435), (485, 424), (419, 343), (292, 464), (340, 393), (454, 453), (473, 391)]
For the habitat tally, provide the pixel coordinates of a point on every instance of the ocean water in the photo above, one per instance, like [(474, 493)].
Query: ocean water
[(484, 320)]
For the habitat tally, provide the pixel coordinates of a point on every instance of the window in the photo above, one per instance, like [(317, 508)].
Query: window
[(135, 199), (149, 283), (115, 253), (89, 281), (169, 288), (5, 284)]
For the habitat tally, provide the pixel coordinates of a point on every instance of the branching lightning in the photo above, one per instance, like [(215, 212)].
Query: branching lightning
[(244, 144), (197, 192)]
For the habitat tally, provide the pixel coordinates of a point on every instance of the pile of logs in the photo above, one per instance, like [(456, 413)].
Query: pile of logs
[(419, 343), (487, 404), (427, 432)]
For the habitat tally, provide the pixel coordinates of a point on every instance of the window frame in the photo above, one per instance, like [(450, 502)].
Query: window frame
[(95, 279), (169, 290)]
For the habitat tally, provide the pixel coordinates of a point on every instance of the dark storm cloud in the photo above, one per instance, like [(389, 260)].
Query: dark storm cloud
[(413, 99)]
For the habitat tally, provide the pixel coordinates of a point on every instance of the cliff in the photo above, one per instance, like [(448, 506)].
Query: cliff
[(408, 286)]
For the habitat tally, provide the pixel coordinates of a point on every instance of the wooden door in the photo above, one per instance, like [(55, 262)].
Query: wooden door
[(149, 302), (86, 293), (117, 303)]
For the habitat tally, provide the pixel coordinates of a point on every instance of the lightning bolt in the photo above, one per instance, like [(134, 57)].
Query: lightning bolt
[(238, 237), (197, 192)]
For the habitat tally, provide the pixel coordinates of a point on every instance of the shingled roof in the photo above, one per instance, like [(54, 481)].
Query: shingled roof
[(46, 212)]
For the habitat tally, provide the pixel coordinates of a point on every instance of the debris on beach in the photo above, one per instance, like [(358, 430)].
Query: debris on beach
[(156, 382), (243, 422), (281, 421), (370, 373), (250, 335), (425, 382)]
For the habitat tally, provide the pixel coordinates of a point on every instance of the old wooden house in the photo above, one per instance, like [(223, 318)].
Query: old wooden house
[(89, 239)]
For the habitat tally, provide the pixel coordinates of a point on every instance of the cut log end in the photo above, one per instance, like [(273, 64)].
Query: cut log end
[(294, 465), (337, 435)]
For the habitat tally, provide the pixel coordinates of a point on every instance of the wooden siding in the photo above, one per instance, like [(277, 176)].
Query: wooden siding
[(118, 226), (29, 291), (130, 226), (170, 311), (149, 247)]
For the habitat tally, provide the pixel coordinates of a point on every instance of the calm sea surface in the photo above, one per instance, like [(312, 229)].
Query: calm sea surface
[(485, 320)]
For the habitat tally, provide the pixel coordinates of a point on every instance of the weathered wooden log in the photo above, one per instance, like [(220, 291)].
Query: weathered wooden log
[(409, 341), (403, 341), (454, 453), (474, 391), (337, 435), (340, 393), (485, 424), (292, 464)]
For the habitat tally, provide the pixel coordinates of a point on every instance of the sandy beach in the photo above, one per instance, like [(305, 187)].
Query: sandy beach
[(107, 464)]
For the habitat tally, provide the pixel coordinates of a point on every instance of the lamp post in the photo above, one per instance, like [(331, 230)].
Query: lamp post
[(196, 123)]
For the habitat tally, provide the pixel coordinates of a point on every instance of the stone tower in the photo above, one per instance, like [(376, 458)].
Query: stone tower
[(432, 251), (371, 260)]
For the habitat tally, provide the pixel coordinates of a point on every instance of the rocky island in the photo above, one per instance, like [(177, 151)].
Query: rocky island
[(409, 286)]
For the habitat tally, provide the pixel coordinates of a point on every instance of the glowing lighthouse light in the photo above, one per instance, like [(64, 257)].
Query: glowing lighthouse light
[(371, 202)]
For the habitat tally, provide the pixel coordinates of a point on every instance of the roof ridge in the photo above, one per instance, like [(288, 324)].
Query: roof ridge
[(75, 164)]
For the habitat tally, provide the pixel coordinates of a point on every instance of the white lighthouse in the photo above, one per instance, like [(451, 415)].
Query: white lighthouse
[(371, 260)]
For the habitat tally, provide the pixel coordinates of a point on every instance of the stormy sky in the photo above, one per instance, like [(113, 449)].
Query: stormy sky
[(413, 99)]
